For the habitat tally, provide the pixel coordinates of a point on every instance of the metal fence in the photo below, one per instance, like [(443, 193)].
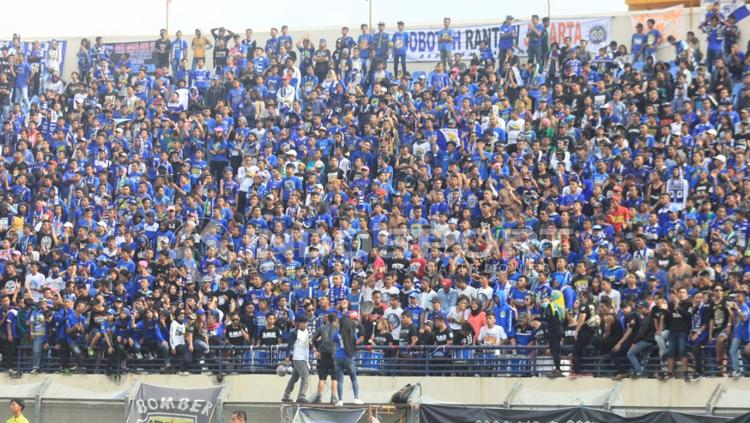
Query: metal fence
[(506, 360)]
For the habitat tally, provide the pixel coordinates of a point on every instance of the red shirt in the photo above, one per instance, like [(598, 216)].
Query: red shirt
[(618, 216)]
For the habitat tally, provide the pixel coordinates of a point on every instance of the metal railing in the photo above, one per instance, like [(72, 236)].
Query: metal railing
[(453, 360)]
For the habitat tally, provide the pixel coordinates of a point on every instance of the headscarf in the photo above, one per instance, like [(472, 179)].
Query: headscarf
[(557, 302)]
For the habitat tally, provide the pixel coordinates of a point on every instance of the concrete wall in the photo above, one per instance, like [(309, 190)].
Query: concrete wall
[(526, 392), (621, 31)]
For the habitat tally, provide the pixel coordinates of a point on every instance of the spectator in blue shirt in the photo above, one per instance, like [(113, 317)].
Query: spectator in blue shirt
[(446, 38), (400, 42)]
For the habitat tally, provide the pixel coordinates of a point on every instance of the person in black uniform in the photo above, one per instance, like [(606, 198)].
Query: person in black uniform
[(553, 329), (587, 321)]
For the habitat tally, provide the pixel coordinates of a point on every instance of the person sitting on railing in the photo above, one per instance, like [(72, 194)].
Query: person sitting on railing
[(641, 329), (609, 335), (75, 328)]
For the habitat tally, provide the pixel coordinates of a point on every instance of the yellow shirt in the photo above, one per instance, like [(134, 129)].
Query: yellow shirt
[(19, 419), (199, 47)]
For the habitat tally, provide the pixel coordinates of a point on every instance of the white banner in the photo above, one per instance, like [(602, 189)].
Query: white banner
[(597, 31), (423, 43), (668, 21)]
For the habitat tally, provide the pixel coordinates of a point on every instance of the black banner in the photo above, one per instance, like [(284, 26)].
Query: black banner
[(461, 414), (135, 54)]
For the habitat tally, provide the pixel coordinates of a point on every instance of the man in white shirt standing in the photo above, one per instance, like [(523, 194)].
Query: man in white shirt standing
[(35, 281), (299, 352)]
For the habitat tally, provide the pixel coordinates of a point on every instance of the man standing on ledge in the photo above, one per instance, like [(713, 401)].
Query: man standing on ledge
[(16, 411), (299, 352), (345, 340)]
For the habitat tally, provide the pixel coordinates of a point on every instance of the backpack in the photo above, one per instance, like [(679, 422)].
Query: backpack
[(409, 394)]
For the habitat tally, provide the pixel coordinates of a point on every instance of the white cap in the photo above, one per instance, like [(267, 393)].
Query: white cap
[(721, 157), (292, 152)]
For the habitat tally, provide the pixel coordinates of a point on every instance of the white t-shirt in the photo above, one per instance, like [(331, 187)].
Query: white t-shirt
[(492, 336), (35, 283), (176, 334), (455, 317), (301, 349), (393, 315)]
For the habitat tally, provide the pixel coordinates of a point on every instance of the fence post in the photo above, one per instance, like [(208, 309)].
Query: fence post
[(512, 394), (38, 399), (714, 398), (128, 397), (219, 413)]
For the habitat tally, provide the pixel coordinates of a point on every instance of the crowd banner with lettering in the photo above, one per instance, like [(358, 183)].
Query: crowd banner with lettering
[(461, 414), (140, 53), (668, 21), (429, 413), (423, 43), (597, 31), (725, 6), (26, 47), (156, 404)]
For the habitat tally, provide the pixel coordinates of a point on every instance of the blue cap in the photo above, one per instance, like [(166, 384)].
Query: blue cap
[(70, 297), (200, 311), (414, 294)]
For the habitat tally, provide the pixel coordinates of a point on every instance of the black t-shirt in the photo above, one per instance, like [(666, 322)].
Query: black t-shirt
[(220, 56), (5, 89), (587, 311), (427, 338), (235, 334), (269, 336), (581, 281), (719, 314), (657, 314), (384, 338), (161, 51), (643, 326), (96, 318), (680, 317), (444, 336), (406, 334)]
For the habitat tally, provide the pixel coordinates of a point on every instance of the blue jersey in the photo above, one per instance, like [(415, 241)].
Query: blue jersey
[(400, 41), (637, 42), (446, 38), (507, 37), (741, 327), (364, 41), (179, 50)]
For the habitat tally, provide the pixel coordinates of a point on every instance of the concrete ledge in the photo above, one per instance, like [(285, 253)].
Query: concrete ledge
[(529, 392)]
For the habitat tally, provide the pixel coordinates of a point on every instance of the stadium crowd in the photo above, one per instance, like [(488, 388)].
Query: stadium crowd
[(593, 202)]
